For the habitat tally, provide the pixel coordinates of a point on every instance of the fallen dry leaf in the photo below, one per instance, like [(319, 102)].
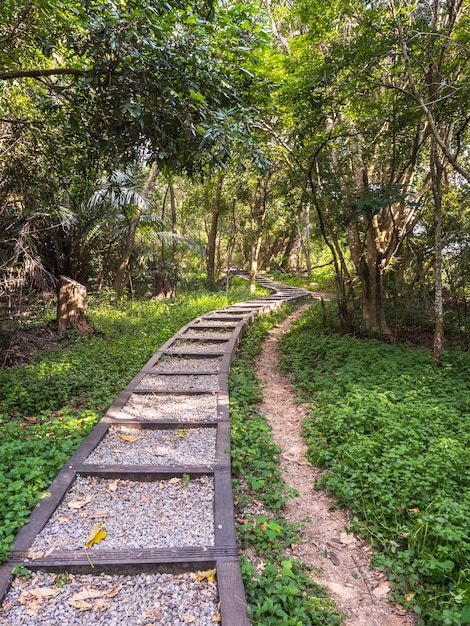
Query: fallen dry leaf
[(102, 604), (174, 481), (38, 593), (96, 535), (81, 604), (130, 438), (113, 486), (209, 574), (113, 592), (87, 594), (78, 504), (145, 497), (189, 619), (382, 590), (347, 539), (410, 596), (99, 513)]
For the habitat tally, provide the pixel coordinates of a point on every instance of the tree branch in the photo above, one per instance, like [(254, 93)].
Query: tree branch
[(58, 71), (419, 99)]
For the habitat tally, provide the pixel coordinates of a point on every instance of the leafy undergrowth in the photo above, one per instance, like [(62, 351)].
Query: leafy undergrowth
[(392, 431), (281, 591), (53, 402)]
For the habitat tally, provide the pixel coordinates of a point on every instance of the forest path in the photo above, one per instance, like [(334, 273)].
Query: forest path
[(343, 559)]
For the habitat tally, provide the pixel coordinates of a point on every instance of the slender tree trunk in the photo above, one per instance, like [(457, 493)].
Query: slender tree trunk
[(308, 248), (131, 231), (258, 217), (341, 271), (212, 238), (436, 171), (173, 218)]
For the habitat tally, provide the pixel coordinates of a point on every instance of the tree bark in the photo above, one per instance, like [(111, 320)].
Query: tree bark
[(131, 231), (71, 304), (212, 238)]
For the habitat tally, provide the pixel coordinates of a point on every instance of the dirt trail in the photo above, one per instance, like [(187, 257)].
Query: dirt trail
[(344, 560)]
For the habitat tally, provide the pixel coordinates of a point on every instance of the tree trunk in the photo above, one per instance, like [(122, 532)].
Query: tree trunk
[(212, 238), (130, 237), (436, 172), (373, 287), (71, 304), (173, 218), (308, 248), (258, 216)]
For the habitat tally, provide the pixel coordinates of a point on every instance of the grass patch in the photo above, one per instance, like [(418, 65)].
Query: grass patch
[(391, 430), (282, 592), (53, 402)]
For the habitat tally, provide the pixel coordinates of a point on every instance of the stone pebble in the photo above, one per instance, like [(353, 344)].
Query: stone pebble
[(186, 382), (111, 600), (150, 514), (184, 408), (194, 446)]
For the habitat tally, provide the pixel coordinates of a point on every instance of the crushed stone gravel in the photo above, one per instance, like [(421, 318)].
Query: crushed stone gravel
[(152, 514), (111, 600), (152, 406), (195, 333), (187, 364), (174, 382), (191, 446), (197, 347)]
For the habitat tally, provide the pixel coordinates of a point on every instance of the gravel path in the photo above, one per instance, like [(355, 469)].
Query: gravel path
[(83, 600), (179, 383), (133, 446), (187, 364), (188, 408), (160, 514), (197, 347)]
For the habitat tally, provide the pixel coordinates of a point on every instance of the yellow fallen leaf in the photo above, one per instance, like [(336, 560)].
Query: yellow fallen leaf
[(410, 596), (209, 574), (78, 504), (130, 438), (174, 481), (96, 535), (217, 618)]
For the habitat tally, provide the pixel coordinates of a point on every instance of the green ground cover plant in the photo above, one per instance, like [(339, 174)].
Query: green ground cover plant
[(390, 429), (49, 405), (284, 592)]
